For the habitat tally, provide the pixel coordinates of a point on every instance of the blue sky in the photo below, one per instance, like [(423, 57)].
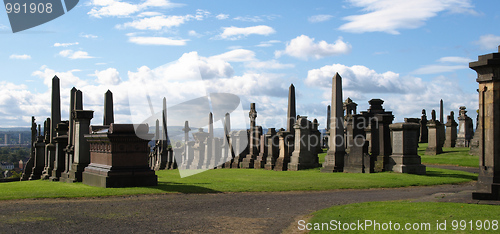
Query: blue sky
[(409, 53)]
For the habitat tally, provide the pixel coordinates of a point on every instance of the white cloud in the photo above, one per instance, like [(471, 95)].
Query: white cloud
[(488, 42), (148, 14), (3, 26), (222, 16), (303, 47), (255, 19), (157, 41), (319, 18), (392, 15), (361, 79), (194, 33), (237, 55), (118, 8), (234, 33), (65, 44), (434, 69), (271, 64), (109, 76), (20, 56), (75, 54), (156, 22), (454, 59), (268, 43), (90, 36), (441, 68)]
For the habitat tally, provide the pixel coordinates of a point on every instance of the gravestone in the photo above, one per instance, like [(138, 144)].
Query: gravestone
[(404, 158), (119, 158), (434, 147), (70, 148), (334, 159), (349, 108), (199, 150), (186, 157), (240, 147), (417, 121), (272, 148), (465, 128), (248, 161), (284, 155), (488, 70), (451, 131), (424, 131), (376, 122), (31, 161), (260, 161), (304, 155), (61, 141), (358, 160), (39, 157), (81, 155), (441, 128)]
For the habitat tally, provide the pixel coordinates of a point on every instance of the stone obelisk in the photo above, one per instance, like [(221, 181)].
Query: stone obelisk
[(108, 108), (334, 159), (291, 113), (55, 118)]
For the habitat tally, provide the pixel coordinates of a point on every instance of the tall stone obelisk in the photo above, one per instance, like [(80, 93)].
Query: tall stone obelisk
[(108, 108), (291, 114), (55, 118), (334, 159)]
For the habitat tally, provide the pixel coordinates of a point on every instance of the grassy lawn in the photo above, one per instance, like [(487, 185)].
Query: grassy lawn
[(237, 180), (451, 156), (404, 212)]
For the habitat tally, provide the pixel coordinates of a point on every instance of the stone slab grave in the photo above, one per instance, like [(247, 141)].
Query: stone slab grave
[(404, 158), (119, 157)]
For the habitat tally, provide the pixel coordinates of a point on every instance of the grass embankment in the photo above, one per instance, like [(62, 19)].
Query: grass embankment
[(450, 156), (421, 215)]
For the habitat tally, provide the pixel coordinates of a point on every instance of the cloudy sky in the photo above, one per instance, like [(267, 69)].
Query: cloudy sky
[(409, 53)]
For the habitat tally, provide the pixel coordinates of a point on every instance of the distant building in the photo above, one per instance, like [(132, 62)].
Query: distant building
[(6, 166)]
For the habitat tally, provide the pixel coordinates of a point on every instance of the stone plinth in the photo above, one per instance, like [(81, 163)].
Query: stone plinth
[(81, 151), (61, 141), (119, 158), (39, 159), (465, 128), (303, 156), (272, 148), (451, 132), (284, 155), (424, 131), (248, 161), (358, 160), (260, 161), (404, 158), (240, 146), (488, 77), (434, 147)]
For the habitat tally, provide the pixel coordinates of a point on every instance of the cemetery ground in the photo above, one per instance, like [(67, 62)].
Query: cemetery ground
[(455, 156)]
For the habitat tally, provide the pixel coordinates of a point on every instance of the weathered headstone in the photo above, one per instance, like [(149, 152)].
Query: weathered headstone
[(39, 157), (61, 141), (119, 158), (488, 70), (284, 155), (334, 159), (272, 148), (81, 157), (465, 128), (240, 148), (358, 160), (260, 161), (404, 158), (199, 150), (303, 156), (424, 131), (434, 147), (248, 161), (451, 131)]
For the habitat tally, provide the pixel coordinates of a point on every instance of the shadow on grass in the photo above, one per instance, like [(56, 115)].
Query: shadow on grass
[(453, 175), (183, 188)]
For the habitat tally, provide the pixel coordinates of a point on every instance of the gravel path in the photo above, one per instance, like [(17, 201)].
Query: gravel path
[(262, 212)]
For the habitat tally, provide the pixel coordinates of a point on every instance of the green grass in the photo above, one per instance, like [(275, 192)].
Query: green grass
[(237, 180), (403, 212), (450, 156)]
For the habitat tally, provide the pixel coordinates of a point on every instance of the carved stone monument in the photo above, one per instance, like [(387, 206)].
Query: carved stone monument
[(404, 158)]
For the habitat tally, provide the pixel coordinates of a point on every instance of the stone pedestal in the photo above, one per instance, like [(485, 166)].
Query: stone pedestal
[(358, 160), (424, 131), (260, 161), (465, 128), (199, 150), (61, 141), (404, 158), (81, 153), (273, 149), (240, 146), (39, 159), (304, 152), (488, 71), (434, 147), (284, 156), (119, 158), (248, 161), (451, 132)]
